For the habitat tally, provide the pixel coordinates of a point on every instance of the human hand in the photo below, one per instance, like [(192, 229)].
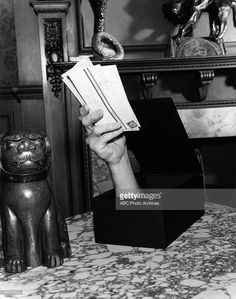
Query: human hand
[(107, 140)]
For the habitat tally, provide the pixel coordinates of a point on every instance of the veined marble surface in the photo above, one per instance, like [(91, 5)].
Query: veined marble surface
[(200, 264), (209, 122)]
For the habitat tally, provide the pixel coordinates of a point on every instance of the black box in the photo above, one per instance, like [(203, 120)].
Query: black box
[(165, 159)]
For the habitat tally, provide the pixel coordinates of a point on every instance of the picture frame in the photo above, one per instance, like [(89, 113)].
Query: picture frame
[(138, 26), (141, 28)]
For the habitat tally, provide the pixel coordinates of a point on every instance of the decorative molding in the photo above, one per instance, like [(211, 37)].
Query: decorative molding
[(50, 6), (175, 64), (206, 104), (30, 92), (53, 52), (165, 64), (53, 37), (206, 77)]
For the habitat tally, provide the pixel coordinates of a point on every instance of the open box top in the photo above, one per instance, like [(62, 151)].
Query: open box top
[(162, 145)]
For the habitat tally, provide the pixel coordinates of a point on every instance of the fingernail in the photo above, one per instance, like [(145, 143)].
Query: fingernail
[(84, 109), (118, 125), (99, 113)]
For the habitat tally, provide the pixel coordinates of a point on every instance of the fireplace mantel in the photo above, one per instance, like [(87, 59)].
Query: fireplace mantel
[(164, 65), (149, 70)]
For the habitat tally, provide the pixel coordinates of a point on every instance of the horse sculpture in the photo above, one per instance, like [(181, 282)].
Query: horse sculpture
[(186, 13)]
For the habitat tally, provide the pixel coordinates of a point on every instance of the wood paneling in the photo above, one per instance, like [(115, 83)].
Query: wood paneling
[(21, 108), (6, 121), (10, 113), (27, 40)]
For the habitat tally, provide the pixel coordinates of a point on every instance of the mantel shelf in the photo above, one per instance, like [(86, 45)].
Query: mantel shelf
[(204, 68), (164, 64)]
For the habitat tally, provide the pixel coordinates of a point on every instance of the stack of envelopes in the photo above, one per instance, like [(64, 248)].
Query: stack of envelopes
[(100, 87)]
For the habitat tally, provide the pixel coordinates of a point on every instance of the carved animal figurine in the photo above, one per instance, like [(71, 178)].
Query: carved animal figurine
[(188, 12), (105, 46), (33, 230)]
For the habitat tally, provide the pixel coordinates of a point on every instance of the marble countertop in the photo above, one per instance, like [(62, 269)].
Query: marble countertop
[(200, 264)]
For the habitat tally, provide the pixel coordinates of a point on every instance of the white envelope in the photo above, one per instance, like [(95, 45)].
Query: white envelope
[(108, 87), (82, 62), (100, 87)]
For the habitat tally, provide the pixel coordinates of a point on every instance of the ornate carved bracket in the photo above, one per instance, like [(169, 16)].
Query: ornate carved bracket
[(51, 16), (206, 77), (54, 52), (149, 80), (43, 6)]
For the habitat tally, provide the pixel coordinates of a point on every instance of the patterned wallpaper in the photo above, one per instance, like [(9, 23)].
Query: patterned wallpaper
[(8, 55)]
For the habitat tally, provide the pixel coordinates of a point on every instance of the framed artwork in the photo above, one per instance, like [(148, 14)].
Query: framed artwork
[(141, 28), (138, 25)]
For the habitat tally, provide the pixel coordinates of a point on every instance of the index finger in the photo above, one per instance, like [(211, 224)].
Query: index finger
[(83, 111), (92, 117)]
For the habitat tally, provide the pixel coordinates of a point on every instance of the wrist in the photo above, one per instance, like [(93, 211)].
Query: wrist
[(122, 162), (122, 173)]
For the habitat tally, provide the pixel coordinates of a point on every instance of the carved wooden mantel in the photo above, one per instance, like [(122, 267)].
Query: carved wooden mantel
[(203, 67)]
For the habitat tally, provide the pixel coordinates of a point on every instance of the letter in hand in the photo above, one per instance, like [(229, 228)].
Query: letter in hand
[(107, 140)]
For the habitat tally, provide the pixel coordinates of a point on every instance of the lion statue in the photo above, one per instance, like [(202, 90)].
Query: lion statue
[(33, 229), (186, 13)]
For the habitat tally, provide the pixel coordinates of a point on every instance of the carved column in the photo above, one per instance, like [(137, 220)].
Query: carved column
[(53, 47), (52, 34)]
